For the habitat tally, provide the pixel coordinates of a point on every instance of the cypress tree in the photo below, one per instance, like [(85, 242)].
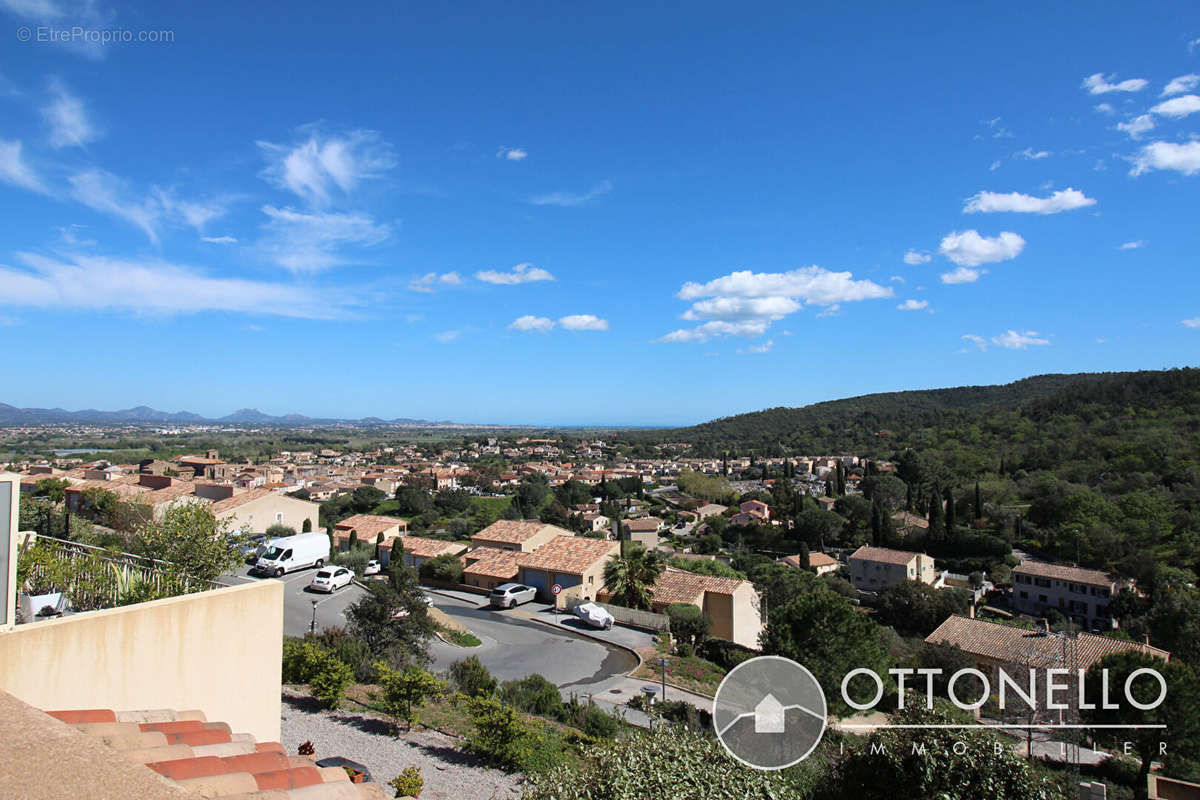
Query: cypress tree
[(353, 540), (978, 502), (876, 524), (951, 512), (804, 562), (829, 488), (937, 522), (841, 479), (908, 497)]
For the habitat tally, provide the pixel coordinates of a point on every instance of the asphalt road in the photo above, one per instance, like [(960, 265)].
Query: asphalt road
[(298, 601), (514, 647)]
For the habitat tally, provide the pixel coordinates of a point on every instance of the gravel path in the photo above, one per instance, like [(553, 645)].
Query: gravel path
[(449, 773)]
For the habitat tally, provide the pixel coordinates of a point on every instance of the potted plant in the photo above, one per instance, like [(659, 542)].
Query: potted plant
[(41, 576), (307, 749)]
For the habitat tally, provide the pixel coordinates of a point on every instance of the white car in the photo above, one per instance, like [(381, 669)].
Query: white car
[(330, 579), (508, 595), (373, 568), (595, 616)]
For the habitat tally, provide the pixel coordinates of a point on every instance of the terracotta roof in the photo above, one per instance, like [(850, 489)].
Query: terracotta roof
[(883, 555), (1017, 645), (511, 531), (676, 585), (1063, 572), (230, 503), (492, 562), (428, 548), (815, 560), (369, 525), (170, 754), (643, 524), (570, 554)]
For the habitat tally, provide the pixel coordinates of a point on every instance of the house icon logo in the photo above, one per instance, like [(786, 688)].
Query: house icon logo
[(769, 716), (769, 713)]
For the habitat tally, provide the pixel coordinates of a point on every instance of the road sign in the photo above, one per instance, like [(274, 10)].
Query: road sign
[(556, 588)]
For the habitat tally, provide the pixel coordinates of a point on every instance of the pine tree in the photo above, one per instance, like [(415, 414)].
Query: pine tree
[(978, 502)]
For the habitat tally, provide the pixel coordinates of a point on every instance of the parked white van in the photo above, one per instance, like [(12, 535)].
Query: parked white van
[(289, 553)]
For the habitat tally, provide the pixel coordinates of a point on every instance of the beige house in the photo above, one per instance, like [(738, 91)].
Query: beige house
[(259, 509), (522, 535), (817, 562), (418, 550), (1081, 594), (873, 569), (710, 510), (644, 531), (488, 567), (731, 604), (574, 563), (366, 528)]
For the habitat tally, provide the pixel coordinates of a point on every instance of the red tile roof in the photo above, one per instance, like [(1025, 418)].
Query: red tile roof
[(676, 585), (572, 555), (511, 531), (1063, 572), (427, 548), (369, 525), (883, 555)]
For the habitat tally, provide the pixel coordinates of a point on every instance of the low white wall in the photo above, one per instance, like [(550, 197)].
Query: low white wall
[(217, 651)]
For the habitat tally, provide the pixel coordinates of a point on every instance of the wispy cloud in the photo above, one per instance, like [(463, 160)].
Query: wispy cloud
[(962, 275), (1029, 154), (1134, 245), (1183, 158), (1100, 84), (67, 118), (219, 239), (583, 322), (1104, 108), (978, 341), (913, 305), (70, 14), (1178, 107), (318, 165), (569, 199), (1184, 83), (1019, 340), (969, 249), (153, 287), (756, 349), (992, 202), (1143, 123), (430, 280), (1194, 322), (445, 337), (521, 273), (309, 242), (915, 257), (15, 170), (512, 154), (104, 192), (716, 328)]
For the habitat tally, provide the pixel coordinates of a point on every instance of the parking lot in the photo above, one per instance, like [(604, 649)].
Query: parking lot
[(298, 600)]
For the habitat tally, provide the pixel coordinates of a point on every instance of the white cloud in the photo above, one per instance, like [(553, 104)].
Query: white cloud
[(995, 166), (521, 273), (445, 337), (512, 153), (68, 119), (1178, 107), (197, 215), (913, 305), (709, 330), (1098, 84), (16, 171), (104, 192), (85, 15), (914, 257), (219, 239), (1183, 158), (1137, 126), (1194, 322), (1184, 83), (765, 347), (153, 287), (568, 199), (978, 341), (1134, 245), (583, 322), (969, 249), (812, 285), (732, 308), (1029, 154), (1193, 44), (429, 280), (1104, 108), (315, 166), (1018, 340), (309, 242), (990, 202), (530, 323), (962, 275)]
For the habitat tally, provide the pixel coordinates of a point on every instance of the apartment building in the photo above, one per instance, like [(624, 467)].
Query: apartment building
[(873, 569), (1082, 595)]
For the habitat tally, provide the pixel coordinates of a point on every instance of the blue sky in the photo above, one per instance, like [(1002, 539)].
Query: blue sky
[(549, 213)]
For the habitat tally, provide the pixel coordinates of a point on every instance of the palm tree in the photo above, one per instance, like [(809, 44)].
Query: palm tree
[(630, 577)]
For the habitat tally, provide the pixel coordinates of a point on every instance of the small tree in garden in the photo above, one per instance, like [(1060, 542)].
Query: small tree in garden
[(689, 624), (329, 679), (402, 691), (408, 783)]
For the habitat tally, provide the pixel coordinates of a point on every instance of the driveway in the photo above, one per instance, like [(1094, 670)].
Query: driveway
[(514, 646)]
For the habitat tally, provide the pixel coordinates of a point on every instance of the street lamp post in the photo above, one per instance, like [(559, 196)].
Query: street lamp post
[(313, 627), (662, 662)]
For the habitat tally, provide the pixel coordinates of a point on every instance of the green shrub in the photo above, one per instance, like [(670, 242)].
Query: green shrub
[(533, 694), (689, 624), (329, 680), (446, 568), (349, 650), (301, 658), (402, 691), (408, 783), (461, 638), (598, 724), (471, 677), (724, 653), (505, 740)]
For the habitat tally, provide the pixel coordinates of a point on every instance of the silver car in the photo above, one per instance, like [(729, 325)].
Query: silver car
[(508, 595)]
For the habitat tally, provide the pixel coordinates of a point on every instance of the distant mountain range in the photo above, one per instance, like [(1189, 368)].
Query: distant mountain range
[(11, 415)]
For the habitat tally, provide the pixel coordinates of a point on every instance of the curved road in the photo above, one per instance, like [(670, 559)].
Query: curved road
[(513, 647)]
